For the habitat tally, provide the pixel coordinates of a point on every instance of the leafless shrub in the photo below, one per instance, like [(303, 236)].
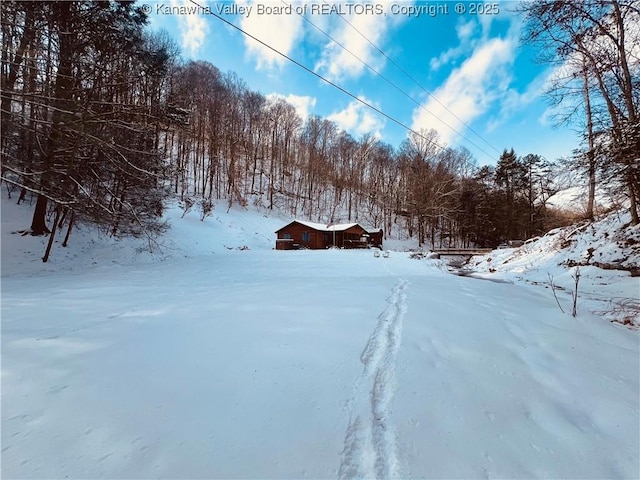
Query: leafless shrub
[(206, 208), (553, 289), (622, 310), (574, 294), (186, 205)]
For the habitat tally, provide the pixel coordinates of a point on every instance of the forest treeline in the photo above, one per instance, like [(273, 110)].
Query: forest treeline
[(103, 123)]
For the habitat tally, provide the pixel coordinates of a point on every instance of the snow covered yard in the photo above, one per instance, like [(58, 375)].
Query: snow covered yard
[(265, 364), (219, 362)]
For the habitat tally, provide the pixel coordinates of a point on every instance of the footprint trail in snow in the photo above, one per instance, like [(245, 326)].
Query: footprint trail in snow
[(369, 445)]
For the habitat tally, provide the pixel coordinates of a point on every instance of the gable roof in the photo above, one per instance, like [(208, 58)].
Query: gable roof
[(321, 227), (327, 228)]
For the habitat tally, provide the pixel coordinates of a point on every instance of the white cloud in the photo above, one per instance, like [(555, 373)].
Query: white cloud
[(281, 31), (477, 85), (513, 101), (485, 22), (303, 104), (445, 57), (193, 27), (336, 62), (470, 90), (465, 32), (358, 119), (465, 29), (566, 73)]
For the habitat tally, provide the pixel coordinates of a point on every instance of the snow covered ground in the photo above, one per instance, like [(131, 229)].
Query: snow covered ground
[(555, 258), (222, 362)]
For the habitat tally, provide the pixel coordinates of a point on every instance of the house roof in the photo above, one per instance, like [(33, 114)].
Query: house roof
[(339, 227), (321, 227)]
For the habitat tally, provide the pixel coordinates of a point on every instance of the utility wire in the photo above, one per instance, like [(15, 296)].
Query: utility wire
[(304, 67), (418, 84), (393, 84)]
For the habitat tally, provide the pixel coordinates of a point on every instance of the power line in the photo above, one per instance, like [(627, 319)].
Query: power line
[(304, 67), (393, 84), (410, 77)]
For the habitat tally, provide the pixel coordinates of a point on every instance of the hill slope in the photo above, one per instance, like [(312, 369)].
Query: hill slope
[(605, 253), (187, 236)]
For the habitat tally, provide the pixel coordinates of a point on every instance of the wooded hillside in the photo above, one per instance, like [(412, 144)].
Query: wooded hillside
[(102, 122)]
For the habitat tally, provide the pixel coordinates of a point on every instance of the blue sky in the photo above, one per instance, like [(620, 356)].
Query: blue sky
[(463, 74)]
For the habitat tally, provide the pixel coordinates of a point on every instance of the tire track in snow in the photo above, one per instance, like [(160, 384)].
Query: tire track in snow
[(369, 445)]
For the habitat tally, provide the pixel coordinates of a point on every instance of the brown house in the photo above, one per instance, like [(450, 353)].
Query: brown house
[(302, 234)]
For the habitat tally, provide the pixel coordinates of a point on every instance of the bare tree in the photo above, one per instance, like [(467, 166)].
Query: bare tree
[(598, 35), (84, 137)]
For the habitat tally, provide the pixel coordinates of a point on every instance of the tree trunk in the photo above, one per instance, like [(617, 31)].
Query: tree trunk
[(590, 152), (52, 236), (23, 194), (66, 237), (38, 223), (63, 93), (633, 205), (8, 81)]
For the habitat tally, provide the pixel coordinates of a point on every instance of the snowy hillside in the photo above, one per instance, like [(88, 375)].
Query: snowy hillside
[(223, 231), (210, 360), (606, 253)]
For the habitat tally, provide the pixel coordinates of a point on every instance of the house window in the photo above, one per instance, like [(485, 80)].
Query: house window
[(286, 236), (305, 237)]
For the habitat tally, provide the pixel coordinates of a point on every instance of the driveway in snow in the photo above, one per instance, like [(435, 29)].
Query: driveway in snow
[(331, 364)]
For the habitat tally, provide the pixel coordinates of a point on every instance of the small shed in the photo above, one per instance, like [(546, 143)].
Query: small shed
[(303, 234)]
